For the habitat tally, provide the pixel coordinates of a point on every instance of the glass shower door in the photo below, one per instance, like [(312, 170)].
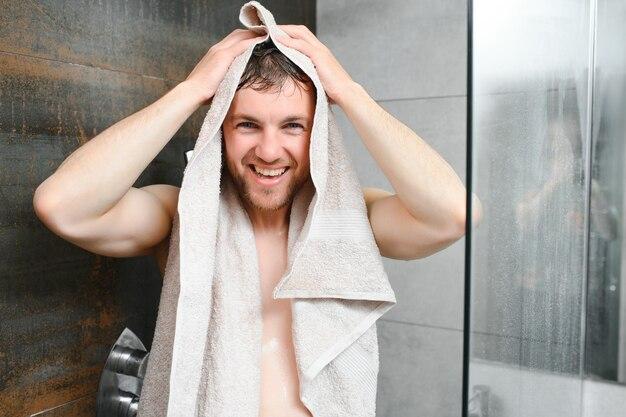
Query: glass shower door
[(531, 118)]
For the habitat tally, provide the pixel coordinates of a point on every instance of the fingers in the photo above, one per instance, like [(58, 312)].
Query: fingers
[(235, 36), (301, 32), (240, 46), (299, 44)]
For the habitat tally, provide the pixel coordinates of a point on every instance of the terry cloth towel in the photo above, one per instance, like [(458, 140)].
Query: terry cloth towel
[(206, 352)]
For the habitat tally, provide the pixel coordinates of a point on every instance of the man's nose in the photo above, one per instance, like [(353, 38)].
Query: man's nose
[(269, 147)]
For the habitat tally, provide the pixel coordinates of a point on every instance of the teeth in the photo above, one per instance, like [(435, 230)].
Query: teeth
[(270, 172)]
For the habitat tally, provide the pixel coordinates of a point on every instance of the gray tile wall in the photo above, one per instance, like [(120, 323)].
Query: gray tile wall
[(411, 57)]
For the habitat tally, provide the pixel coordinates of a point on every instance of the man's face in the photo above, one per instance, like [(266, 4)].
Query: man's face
[(270, 130)]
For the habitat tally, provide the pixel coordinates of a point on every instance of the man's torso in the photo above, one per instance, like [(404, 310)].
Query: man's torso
[(279, 378)]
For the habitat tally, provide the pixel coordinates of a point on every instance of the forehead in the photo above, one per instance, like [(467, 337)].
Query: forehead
[(293, 97)]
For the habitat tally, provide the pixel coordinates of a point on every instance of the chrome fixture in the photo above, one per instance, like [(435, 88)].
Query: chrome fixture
[(122, 377)]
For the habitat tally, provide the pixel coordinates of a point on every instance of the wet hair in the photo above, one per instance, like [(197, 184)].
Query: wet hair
[(268, 69)]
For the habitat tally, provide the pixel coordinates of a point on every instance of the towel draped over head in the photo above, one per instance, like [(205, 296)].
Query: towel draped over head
[(206, 352)]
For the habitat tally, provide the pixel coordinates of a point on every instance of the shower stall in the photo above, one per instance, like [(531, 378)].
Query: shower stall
[(545, 332)]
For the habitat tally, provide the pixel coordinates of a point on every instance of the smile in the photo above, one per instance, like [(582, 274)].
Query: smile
[(267, 180)]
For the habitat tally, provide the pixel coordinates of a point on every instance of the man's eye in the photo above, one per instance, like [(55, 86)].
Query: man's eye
[(246, 124), (296, 125)]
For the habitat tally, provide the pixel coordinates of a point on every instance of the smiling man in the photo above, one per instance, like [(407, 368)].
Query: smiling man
[(266, 138), (267, 132)]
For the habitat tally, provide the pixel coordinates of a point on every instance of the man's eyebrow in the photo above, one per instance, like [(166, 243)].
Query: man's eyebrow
[(290, 118)]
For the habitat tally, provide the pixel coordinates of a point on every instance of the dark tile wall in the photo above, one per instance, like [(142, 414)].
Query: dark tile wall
[(68, 70)]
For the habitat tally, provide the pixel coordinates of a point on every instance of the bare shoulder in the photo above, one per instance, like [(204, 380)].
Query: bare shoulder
[(168, 196)]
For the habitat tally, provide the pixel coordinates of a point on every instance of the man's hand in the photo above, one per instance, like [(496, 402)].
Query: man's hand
[(210, 71), (335, 80)]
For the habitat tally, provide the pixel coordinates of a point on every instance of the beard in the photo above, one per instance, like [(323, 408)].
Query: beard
[(270, 199)]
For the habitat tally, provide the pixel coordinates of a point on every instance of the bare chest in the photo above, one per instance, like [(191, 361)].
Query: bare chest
[(280, 389)]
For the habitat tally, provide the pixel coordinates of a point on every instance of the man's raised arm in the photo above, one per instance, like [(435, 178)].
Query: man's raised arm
[(90, 200)]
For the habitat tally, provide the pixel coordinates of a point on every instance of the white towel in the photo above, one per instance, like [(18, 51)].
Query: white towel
[(206, 353)]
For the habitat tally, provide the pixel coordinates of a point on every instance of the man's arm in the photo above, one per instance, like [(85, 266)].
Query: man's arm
[(90, 201), (427, 213)]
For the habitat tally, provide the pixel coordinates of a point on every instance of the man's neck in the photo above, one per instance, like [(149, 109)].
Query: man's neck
[(275, 223)]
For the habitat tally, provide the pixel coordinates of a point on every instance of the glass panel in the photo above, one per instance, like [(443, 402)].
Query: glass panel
[(530, 141), (605, 354)]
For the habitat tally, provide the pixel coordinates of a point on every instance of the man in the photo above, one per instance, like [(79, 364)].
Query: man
[(90, 200)]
